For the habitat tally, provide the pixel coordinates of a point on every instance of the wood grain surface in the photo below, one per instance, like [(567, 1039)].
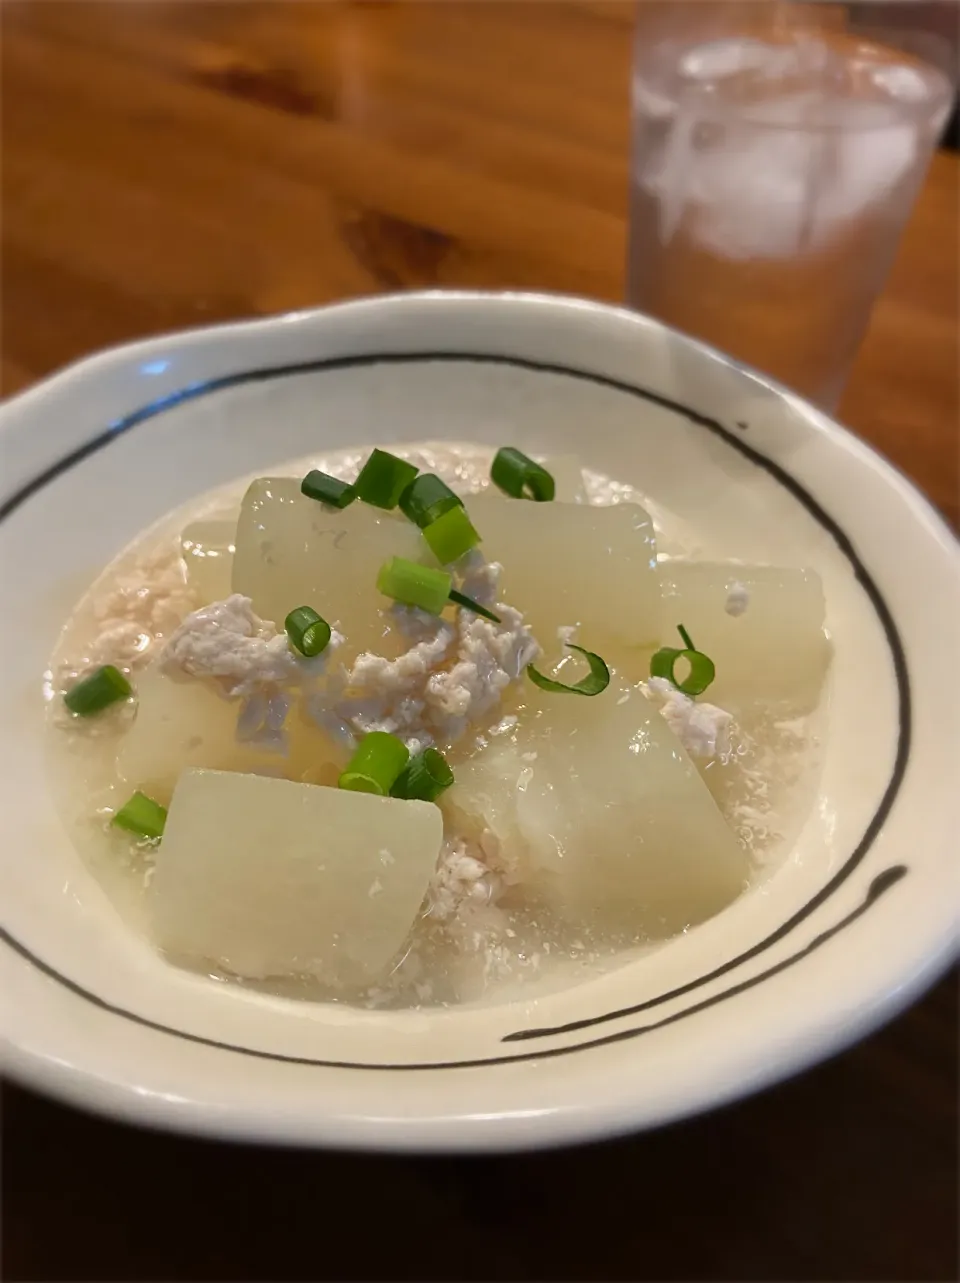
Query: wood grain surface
[(169, 165)]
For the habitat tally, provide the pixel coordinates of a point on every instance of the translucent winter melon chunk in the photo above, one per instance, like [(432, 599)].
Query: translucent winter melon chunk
[(266, 877), (207, 548), (570, 563), (597, 806), (294, 551), (775, 651), (482, 805), (567, 478), (180, 724)]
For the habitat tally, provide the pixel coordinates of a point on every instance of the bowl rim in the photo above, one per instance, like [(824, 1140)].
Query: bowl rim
[(117, 355), (816, 419), (70, 1085)]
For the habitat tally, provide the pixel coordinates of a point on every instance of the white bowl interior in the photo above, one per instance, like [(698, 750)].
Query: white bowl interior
[(844, 930)]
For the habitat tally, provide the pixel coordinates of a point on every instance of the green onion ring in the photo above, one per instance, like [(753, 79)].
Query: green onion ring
[(383, 479), (424, 777), (521, 477), (702, 670), (309, 632), (142, 816), (376, 764), (461, 599), (97, 691), (597, 680), (329, 490)]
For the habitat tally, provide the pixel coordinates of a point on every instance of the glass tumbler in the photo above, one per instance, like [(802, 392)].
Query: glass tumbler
[(777, 151)]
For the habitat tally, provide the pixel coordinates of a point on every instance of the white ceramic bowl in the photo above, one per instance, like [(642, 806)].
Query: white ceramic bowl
[(858, 920)]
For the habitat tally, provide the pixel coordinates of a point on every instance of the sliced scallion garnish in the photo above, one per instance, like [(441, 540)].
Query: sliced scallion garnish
[(432, 590), (309, 632), (521, 477), (461, 599), (451, 535), (426, 498), (383, 479), (374, 767), (702, 669), (97, 691), (141, 815), (424, 777), (685, 637), (597, 680), (329, 490), (415, 585)]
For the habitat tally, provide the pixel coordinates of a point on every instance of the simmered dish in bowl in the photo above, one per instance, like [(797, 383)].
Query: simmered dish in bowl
[(412, 727)]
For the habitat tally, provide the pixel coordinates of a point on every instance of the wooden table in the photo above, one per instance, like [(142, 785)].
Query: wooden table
[(171, 165)]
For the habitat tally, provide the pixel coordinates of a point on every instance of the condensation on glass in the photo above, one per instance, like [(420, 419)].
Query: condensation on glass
[(777, 152)]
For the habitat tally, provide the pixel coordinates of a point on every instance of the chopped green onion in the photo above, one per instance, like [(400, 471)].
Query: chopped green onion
[(423, 586), (451, 535), (142, 815), (424, 777), (383, 479), (329, 490), (98, 691), (426, 498), (375, 765), (702, 669), (461, 599), (521, 477), (685, 637), (415, 585), (309, 632), (597, 680)]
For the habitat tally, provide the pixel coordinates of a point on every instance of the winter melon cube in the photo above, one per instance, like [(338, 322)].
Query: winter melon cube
[(265, 877), (573, 564), (179, 724), (774, 651), (596, 804), (294, 551), (207, 549), (185, 722)]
